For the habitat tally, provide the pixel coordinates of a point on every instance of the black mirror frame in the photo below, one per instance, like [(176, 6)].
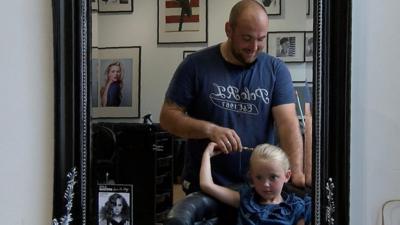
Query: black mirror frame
[(332, 180), (331, 160)]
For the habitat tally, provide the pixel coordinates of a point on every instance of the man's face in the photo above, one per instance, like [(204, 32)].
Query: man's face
[(247, 39)]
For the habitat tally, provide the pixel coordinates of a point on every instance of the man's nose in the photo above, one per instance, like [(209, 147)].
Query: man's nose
[(254, 45)]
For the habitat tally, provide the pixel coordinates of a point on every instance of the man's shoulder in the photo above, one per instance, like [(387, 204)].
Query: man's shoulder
[(205, 52), (265, 57)]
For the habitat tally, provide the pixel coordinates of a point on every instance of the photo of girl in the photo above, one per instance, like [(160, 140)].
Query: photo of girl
[(116, 90), (115, 82), (111, 92), (115, 211)]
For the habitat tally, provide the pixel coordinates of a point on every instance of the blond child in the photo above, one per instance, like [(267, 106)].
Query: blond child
[(262, 201)]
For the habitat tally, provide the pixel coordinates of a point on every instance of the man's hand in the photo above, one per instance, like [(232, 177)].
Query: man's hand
[(298, 179), (226, 139)]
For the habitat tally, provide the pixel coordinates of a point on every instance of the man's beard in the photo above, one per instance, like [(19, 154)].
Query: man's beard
[(238, 56)]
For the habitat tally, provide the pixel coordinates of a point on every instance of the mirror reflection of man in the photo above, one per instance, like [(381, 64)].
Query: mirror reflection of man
[(223, 94)]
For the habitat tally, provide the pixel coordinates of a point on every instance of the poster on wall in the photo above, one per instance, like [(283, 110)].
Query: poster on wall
[(273, 7), (308, 46), (288, 46), (310, 7), (187, 52), (116, 82), (115, 204), (95, 5), (111, 6), (182, 21)]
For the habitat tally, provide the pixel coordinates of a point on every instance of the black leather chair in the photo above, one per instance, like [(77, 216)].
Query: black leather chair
[(195, 209), (200, 209)]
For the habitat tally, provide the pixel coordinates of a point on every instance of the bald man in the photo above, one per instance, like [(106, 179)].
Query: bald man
[(235, 95)]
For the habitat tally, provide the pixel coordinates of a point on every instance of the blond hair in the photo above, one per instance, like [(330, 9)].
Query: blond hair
[(270, 152)]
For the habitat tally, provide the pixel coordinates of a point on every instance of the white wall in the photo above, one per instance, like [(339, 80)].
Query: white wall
[(159, 62), (375, 131), (26, 115)]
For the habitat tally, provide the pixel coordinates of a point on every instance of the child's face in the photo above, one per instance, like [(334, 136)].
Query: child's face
[(268, 178), (117, 209)]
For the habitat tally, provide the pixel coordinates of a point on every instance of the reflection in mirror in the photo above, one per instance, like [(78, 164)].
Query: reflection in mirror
[(115, 79), (122, 149)]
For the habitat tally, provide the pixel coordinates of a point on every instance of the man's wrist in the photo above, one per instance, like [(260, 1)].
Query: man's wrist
[(209, 127)]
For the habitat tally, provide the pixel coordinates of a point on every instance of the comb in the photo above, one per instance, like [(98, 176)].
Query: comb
[(247, 148)]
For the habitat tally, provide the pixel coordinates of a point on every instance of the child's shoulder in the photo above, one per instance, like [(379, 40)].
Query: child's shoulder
[(293, 199)]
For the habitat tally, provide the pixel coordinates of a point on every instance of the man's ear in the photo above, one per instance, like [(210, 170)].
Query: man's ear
[(288, 174), (228, 29)]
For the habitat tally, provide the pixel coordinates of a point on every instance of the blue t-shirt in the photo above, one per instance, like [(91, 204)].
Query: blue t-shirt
[(237, 97), (288, 212)]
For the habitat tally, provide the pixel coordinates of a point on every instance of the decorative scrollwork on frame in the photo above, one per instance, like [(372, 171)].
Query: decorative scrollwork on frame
[(69, 197), (330, 208)]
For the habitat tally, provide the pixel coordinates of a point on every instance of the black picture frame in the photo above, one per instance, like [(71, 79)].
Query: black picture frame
[(286, 45), (95, 5), (308, 46), (186, 27), (310, 8), (186, 53), (273, 7), (107, 192), (128, 60), (115, 6)]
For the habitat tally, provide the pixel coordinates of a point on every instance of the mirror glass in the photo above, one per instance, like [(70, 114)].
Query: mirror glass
[(85, 177), (134, 55)]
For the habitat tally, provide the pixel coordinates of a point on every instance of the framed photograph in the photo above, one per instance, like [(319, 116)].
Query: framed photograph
[(182, 21), (303, 96), (310, 7), (94, 69), (288, 46), (273, 7), (186, 53), (110, 6), (95, 5), (116, 82), (115, 201), (308, 46)]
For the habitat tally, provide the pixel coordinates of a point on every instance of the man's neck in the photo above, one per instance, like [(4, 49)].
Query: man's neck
[(227, 54)]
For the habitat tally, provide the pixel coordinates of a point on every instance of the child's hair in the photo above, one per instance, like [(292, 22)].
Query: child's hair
[(270, 152)]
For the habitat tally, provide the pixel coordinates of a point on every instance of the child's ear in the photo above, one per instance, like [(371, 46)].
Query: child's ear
[(288, 174)]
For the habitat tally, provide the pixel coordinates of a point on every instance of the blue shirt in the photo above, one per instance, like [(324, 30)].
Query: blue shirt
[(237, 97), (288, 212)]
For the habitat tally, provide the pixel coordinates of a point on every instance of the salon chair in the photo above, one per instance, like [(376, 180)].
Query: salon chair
[(198, 208)]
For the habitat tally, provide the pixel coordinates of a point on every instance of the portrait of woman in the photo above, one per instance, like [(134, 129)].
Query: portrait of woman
[(115, 211), (111, 92)]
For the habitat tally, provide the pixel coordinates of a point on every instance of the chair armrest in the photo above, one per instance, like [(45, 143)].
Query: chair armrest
[(195, 208)]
